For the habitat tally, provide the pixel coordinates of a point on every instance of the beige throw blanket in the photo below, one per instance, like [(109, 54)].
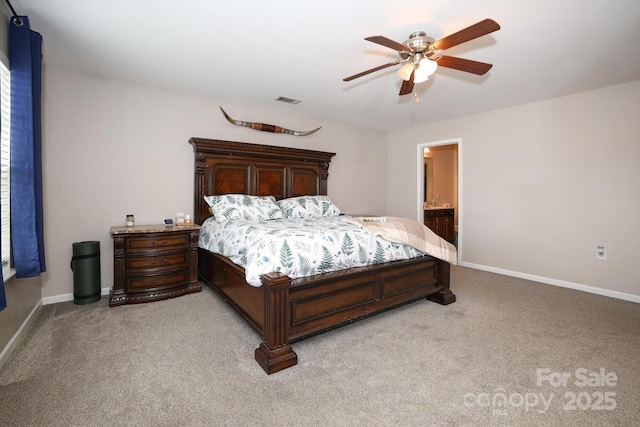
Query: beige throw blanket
[(409, 232)]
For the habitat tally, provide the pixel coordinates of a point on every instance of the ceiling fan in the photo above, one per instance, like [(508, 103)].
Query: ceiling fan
[(421, 54)]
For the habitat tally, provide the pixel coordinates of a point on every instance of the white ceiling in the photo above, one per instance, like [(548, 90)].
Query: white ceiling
[(255, 51)]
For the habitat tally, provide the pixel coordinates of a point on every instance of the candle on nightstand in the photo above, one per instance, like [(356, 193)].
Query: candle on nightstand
[(180, 218)]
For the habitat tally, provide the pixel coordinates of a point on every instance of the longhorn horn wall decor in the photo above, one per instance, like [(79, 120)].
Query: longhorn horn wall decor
[(267, 128)]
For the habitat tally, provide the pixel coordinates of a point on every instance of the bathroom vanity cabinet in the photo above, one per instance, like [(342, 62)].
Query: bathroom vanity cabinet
[(441, 221)]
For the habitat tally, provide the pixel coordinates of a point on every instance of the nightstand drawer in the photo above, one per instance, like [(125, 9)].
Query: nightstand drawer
[(150, 282), (158, 241), (133, 264)]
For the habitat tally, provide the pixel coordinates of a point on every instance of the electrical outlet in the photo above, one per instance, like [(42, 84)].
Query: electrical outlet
[(602, 253)]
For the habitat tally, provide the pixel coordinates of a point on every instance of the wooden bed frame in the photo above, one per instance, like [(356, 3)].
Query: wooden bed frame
[(283, 310)]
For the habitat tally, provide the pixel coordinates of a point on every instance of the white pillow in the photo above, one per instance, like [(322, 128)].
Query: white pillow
[(243, 206), (308, 206)]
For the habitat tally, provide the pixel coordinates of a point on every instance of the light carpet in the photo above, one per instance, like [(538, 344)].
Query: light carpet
[(497, 356)]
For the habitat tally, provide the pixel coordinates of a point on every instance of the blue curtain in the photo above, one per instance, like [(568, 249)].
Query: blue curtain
[(25, 59)]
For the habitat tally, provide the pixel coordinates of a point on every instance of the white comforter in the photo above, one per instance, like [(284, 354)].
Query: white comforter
[(300, 247), (409, 232)]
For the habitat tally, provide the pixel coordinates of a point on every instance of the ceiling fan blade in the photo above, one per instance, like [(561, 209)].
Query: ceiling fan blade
[(407, 85), (476, 30), (382, 40), (462, 64), (364, 73)]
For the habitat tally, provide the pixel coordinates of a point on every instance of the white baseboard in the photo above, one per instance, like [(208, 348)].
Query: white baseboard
[(8, 349), (67, 297), (555, 282)]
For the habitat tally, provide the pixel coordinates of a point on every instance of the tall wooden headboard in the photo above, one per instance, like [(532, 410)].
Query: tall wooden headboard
[(228, 167)]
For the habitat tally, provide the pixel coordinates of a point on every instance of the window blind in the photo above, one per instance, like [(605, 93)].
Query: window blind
[(5, 162)]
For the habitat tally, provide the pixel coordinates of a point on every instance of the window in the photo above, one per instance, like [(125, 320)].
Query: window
[(5, 176)]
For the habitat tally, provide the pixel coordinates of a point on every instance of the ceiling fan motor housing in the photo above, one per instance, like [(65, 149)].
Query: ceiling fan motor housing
[(418, 42)]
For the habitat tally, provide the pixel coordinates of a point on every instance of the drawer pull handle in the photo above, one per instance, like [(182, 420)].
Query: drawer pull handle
[(154, 283), (164, 242), (163, 262)]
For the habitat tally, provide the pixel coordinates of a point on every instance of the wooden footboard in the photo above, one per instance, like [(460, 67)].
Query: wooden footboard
[(284, 310)]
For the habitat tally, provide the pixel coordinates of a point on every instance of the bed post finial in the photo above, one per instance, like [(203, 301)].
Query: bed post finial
[(199, 211), (274, 353), (324, 170)]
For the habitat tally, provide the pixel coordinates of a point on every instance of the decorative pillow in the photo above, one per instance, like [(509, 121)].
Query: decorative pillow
[(243, 206), (308, 206)]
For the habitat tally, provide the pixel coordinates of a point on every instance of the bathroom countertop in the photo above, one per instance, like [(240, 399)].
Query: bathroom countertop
[(432, 208)]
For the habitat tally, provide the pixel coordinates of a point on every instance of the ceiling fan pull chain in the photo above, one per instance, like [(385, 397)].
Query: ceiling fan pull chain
[(415, 95)]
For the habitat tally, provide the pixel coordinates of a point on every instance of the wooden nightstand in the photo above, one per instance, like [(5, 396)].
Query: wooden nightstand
[(153, 262)]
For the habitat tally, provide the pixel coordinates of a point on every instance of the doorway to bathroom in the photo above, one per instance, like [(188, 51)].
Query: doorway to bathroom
[(440, 180)]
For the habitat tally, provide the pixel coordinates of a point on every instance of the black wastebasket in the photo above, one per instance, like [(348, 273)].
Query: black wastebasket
[(86, 272)]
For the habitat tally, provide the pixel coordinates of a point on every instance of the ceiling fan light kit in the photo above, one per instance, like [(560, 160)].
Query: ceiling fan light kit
[(405, 72), (424, 69), (421, 54)]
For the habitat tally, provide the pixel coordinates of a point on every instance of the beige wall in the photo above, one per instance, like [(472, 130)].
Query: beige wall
[(541, 186), (23, 299), (112, 148), (538, 179), (23, 295)]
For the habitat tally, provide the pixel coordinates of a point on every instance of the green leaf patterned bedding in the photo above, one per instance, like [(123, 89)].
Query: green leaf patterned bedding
[(298, 247)]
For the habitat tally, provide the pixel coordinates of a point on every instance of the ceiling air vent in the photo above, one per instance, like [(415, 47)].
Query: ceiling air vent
[(288, 100)]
